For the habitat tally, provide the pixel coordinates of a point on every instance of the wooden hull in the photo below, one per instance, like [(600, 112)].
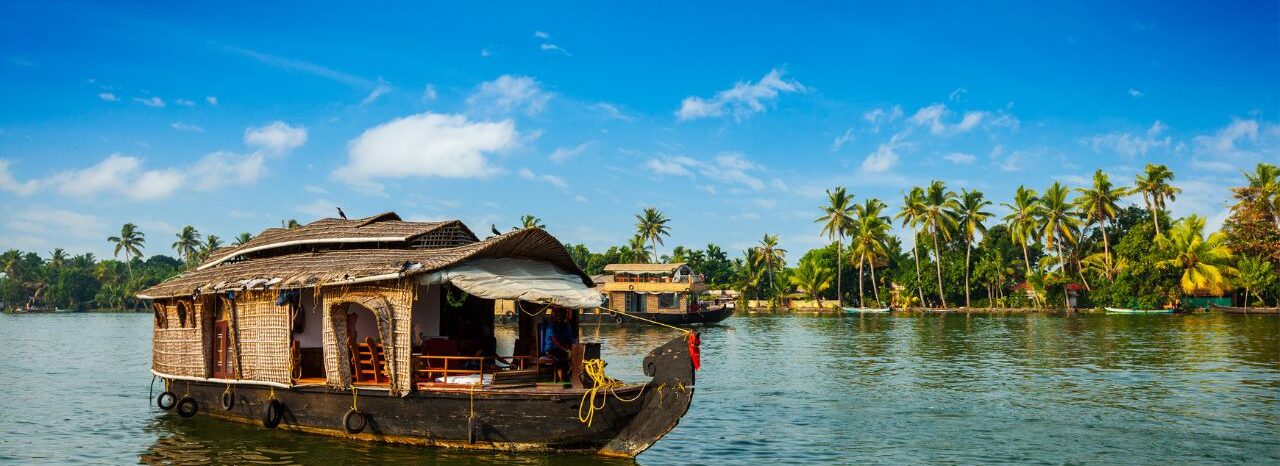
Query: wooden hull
[(495, 419), (1252, 310), (705, 317), (867, 310)]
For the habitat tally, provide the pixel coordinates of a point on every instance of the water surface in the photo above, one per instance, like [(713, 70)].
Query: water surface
[(1012, 389)]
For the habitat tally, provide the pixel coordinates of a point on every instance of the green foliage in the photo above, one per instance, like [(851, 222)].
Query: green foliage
[(81, 282)]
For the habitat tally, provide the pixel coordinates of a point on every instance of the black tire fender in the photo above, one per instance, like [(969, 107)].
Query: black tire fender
[(271, 414), (167, 395), (617, 319), (228, 400), (187, 406), (354, 421)]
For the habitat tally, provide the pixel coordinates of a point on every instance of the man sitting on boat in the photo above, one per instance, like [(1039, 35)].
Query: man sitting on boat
[(558, 340)]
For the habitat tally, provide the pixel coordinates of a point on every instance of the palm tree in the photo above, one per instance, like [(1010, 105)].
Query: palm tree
[(939, 219), (291, 224), (971, 218), (1058, 224), (1266, 178), (242, 238), (869, 237), (57, 258), (1022, 220), (187, 243), (639, 250), (770, 255), (651, 225), (837, 220), (1255, 274), (1204, 262), (131, 241), (912, 215), (1099, 205), (1155, 188), (528, 221), (812, 278)]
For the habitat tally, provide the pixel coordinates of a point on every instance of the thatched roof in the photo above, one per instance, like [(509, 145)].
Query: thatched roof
[(643, 268), (345, 266), (384, 228)]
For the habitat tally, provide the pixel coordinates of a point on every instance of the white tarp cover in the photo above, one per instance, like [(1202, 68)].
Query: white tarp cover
[(525, 280)]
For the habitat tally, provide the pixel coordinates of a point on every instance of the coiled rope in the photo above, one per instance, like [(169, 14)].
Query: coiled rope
[(602, 386)]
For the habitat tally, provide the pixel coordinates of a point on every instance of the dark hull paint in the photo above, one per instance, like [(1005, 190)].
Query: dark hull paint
[(707, 317), (1252, 310), (510, 419)]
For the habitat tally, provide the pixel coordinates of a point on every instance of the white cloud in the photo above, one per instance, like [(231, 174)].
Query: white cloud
[(108, 97), (211, 100), (1131, 145), (484, 52), (223, 168), (1134, 93), (881, 160), (933, 115), (1239, 144), (313, 189), (741, 101), (276, 137), (562, 154), (43, 221), (426, 144), (429, 93), (957, 94), (677, 166), (191, 128), (553, 180), (378, 91), (554, 48), (842, 139), (320, 208), (1204, 198), (728, 168), (509, 93), (10, 184), (611, 111), (155, 102), (119, 175), (541, 35), (960, 158), (184, 102), (880, 116)]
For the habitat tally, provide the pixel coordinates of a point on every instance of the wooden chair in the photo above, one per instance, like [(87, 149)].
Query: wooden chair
[(368, 362)]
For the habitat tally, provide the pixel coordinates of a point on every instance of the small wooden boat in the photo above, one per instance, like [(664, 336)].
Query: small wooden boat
[(867, 310), (1247, 310), (1121, 310), (380, 329), (939, 310)]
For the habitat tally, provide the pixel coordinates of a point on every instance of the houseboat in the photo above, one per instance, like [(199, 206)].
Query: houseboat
[(383, 330), (666, 293)]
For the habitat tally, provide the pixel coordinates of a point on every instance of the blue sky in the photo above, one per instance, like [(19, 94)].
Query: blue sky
[(732, 118)]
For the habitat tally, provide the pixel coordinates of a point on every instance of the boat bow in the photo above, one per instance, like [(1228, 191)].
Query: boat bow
[(666, 398)]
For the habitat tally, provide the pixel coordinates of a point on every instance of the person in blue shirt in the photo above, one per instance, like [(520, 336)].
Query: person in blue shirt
[(558, 338)]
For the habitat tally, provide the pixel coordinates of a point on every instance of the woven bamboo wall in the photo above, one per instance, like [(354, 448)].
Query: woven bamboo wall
[(176, 348), (264, 330), (392, 304)]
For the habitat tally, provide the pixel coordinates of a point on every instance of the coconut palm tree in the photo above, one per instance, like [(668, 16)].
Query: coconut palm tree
[(912, 215), (187, 244), (812, 278), (869, 237), (939, 219), (837, 220), (242, 238), (639, 250), (1058, 224), (651, 225), (1022, 220), (131, 241), (1099, 204), (528, 221), (971, 219), (1255, 274), (1205, 263), (1266, 178), (57, 258), (291, 224), (769, 255), (1154, 186)]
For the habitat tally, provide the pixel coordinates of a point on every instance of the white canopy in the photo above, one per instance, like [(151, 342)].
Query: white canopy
[(525, 280)]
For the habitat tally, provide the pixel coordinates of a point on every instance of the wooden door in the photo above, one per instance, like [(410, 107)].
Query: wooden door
[(222, 350)]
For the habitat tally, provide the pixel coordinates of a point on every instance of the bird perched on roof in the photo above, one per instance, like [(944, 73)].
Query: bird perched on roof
[(342, 214), (494, 229)]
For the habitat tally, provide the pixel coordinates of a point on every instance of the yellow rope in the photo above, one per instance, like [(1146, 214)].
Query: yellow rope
[(354, 406), (602, 386), (273, 393), (472, 414), (621, 313)]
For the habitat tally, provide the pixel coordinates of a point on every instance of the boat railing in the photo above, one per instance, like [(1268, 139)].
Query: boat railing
[(428, 368)]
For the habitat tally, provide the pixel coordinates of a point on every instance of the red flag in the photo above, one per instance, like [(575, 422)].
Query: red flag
[(694, 354)]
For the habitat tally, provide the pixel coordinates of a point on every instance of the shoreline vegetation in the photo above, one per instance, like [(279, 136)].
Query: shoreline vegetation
[(1054, 248)]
